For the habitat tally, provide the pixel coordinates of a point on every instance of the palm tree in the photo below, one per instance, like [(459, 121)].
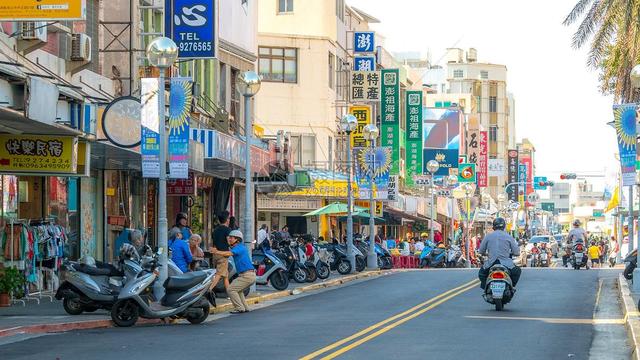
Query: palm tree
[(613, 27)]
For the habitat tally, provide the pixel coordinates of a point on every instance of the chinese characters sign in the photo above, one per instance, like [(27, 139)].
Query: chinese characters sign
[(363, 114), (512, 171), (414, 134), (364, 63), (150, 122), (496, 167), (522, 179), (363, 41), (365, 86), (483, 158), (473, 145), (390, 115), (38, 153), (191, 24), (179, 115), (182, 187), (41, 10)]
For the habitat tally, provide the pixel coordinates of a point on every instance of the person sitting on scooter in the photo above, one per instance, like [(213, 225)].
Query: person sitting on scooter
[(500, 246), (180, 253)]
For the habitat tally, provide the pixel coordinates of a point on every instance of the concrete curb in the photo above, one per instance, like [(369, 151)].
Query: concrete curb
[(106, 323), (631, 316)]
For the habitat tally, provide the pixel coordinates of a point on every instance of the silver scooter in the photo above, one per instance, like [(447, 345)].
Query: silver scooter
[(269, 269), (186, 296)]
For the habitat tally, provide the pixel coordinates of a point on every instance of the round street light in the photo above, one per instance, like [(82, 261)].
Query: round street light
[(348, 123), (452, 180), (469, 188), (162, 52), (433, 166), (371, 132), (635, 76), (248, 83)]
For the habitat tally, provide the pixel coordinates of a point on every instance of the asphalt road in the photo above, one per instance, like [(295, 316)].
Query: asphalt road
[(409, 315)]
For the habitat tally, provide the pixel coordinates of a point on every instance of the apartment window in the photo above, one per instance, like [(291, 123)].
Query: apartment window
[(564, 196), (303, 148), (278, 64), (332, 71), (340, 9), (234, 107), (493, 134), (285, 6), (484, 75), (493, 104), (458, 74)]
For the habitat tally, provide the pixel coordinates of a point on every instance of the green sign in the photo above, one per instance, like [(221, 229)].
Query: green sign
[(598, 213), (413, 115), (390, 116), (466, 173), (548, 206)]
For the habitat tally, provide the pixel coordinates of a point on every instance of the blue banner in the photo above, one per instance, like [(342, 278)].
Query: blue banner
[(363, 41), (150, 124), (522, 178), (179, 116), (447, 158), (191, 24), (376, 162), (364, 63), (625, 124)]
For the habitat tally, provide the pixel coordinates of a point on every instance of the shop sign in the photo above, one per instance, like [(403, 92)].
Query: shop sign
[(365, 86), (390, 115), (392, 188), (326, 188), (150, 128), (204, 182), (414, 134), (447, 158), (116, 220), (496, 167), (121, 122), (522, 179), (182, 187), (363, 41), (179, 116), (625, 123), (512, 168), (192, 26), (363, 114), (467, 173), (483, 158), (364, 63), (47, 10), (38, 153), (473, 145)]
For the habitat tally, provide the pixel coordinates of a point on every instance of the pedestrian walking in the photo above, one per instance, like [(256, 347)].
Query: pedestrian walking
[(263, 234), (182, 223), (220, 234), (244, 267), (180, 253), (594, 254)]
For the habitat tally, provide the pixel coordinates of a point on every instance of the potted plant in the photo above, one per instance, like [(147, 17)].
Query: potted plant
[(11, 281)]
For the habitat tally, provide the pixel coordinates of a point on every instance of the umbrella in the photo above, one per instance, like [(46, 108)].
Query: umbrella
[(363, 216), (333, 208)]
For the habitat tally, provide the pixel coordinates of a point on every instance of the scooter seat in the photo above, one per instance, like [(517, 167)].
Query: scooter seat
[(102, 270), (185, 281)]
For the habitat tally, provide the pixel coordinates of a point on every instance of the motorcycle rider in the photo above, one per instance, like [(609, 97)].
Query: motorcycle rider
[(500, 246), (577, 235)]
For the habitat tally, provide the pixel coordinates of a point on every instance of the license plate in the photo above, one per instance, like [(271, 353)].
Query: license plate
[(498, 286)]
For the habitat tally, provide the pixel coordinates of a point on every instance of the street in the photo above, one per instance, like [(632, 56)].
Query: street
[(408, 315)]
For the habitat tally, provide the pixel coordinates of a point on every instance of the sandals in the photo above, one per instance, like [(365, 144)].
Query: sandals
[(239, 311)]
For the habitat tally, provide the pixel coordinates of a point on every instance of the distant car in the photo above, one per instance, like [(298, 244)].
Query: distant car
[(559, 239), (551, 242)]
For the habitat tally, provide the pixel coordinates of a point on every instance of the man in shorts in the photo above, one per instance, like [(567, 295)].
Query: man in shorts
[(220, 243)]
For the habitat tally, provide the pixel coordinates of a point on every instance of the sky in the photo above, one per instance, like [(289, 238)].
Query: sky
[(558, 104)]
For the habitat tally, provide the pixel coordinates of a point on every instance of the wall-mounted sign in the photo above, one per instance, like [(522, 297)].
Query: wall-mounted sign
[(121, 122), (182, 187), (363, 114), (363, 41), (364, 63), (467, 173), (49, 10), (192, 26), (365, 86), (38, 153)]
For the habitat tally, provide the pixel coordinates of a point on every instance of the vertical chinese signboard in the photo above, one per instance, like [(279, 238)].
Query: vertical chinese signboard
[(390, 116), (526, 161), (473, 145), (512, 174), (364, 63), (179, 115), (522, 179), (414, 135), (365, 86), (363, 114), (150, 122), (483, 159)]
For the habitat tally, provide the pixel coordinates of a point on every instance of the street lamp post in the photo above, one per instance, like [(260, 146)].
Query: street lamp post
[(468, 188), (371, 133), (248, 84), (635, 82), (452, 181), (432, 168), (348, 123), (162, 52)]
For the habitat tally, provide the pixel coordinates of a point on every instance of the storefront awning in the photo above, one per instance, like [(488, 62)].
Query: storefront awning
[(14, 122), (106, 156)]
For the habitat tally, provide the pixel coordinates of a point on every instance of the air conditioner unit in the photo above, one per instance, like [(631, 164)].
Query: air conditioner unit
[(80, 47), (33, 30)]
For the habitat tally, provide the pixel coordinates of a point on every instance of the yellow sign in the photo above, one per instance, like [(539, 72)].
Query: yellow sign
[(363, 114), (378, 212), (38, 153), (34, 10), (365, 204)]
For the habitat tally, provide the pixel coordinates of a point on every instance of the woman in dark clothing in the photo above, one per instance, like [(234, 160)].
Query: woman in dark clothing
[(181, 223)]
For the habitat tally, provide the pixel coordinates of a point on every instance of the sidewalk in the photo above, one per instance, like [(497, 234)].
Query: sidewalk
[(51, 317), (631, 315)]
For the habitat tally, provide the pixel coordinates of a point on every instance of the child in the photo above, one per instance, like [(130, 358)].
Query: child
[(594, 254)]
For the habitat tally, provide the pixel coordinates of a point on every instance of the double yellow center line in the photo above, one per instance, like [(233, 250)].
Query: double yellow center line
[(388, 324)]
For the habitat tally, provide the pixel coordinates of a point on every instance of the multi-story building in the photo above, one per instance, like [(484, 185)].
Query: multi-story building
[(587, 196), (560, 196)]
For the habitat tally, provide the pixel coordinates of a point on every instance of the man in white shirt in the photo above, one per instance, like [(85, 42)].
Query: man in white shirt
[(263, 234)]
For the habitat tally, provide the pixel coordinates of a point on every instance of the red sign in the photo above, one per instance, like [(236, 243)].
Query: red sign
[(483, 160), (116, 220), (526, 161), (181, 187)]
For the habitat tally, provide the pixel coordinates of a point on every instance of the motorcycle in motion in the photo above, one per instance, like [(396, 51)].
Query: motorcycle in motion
[(499, 288), (578, 255)]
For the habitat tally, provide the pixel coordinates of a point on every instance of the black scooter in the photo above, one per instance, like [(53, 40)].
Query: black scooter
[(295, 268), (338, 259)]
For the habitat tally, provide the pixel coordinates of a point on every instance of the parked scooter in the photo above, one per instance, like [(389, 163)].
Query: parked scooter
[(338, 259), (320, 259), (312, 274), (361, 262), (436, 258), (295, 268), (424, 254), (187, 296), (384, 257), (269, 269), (499, 288), (578, 256), (454, 257), (631, 262)]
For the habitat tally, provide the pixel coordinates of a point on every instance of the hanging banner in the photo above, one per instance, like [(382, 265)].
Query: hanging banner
[(374, 162), (512, 174), (483, 159), (390, 116), (38, 153), (363, 114), (191, 24), (150, 132), (365, 86), (441, 139), (526, 161), (392, 188), (522, 179), (179, 116), (625, 124), (413, 103)]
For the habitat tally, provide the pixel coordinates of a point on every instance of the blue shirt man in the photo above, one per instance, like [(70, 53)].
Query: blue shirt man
[(241, 258), (244, 268)]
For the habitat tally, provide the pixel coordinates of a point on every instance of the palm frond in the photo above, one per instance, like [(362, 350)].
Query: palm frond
[(587, 26), (580, 7)]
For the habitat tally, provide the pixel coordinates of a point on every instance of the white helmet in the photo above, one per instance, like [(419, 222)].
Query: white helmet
[(88, 260)]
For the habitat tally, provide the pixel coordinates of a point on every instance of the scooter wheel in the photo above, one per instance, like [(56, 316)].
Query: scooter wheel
[(201, 317), (124, 313), (361, 264), (279, 280), (72, 305), (499, 304), (344, 267), (312, 275), (300, 275), (323, 271)]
